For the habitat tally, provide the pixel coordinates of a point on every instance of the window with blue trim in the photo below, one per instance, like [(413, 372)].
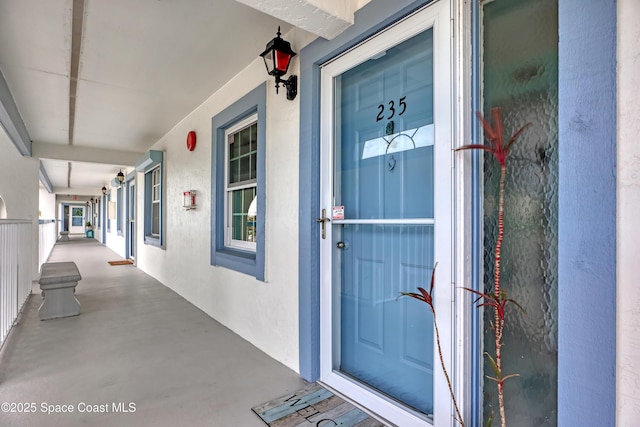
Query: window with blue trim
[(151, 164), (153, 206), (119, 210), (109, 213), (238, 185), (98, 216)]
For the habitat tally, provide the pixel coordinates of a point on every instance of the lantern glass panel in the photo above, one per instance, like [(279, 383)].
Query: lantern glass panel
[(282, 61)]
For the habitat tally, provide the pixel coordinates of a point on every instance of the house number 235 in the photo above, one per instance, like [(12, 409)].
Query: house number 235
[(392, 109)]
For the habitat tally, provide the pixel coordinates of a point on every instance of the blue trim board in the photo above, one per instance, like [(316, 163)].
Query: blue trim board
[(587, 213), (150, 159), (368, 20), (44, 179), (477, 213), (11, 121), (242, 261)]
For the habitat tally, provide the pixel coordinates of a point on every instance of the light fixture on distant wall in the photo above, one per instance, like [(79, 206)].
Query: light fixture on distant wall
[(277, 57), (120, 177), (91, 200), (104, 190)]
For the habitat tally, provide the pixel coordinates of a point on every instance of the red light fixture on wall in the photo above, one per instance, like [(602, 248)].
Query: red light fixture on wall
[(191, 140), (277, 58)]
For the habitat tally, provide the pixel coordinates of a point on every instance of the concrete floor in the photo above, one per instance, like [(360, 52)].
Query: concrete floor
[(135, 342)]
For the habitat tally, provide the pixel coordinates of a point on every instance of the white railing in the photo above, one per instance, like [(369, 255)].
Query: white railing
[(48, 237), (16, 257)]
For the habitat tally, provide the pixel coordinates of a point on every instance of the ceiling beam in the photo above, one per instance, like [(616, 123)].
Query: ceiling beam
[(67, 194), (324, 18), (44, 179), (11, 121), (74, 153), (77, 23)]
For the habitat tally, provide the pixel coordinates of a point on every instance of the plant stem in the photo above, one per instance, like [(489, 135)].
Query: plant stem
[(444, 369), (499, 323)]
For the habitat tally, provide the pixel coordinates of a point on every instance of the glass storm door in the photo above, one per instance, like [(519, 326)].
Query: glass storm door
[(386, 190), (77, 219)]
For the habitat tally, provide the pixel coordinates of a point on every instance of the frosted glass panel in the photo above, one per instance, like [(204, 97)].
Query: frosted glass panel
[(521, 76)]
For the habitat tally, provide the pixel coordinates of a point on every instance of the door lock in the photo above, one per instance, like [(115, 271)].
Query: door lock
[(322, 221), (341, 245)]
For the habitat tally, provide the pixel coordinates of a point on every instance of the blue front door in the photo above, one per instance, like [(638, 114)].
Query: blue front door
[(383, 195), (385, 174)]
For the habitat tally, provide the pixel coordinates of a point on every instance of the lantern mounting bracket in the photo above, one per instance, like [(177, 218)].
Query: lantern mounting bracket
[(291, 84)]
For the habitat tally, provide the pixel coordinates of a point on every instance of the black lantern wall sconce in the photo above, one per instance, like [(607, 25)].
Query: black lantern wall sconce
[(120, 177), (104, 190), (277, 57)]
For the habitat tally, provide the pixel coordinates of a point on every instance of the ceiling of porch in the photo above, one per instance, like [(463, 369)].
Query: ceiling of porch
[(102, 81)]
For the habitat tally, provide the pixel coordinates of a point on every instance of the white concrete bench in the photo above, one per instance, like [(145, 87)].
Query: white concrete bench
[(64, 236), (58, 282)]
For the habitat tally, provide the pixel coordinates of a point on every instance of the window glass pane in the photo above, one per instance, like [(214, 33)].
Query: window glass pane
[(520, 64), (242, 226), (247, 198), (245, 140), (237, 227), (242, 155), (252, 167), (155, 218), (234, 171), (233, 146), (254, 138), (236, 204), (245, 171)]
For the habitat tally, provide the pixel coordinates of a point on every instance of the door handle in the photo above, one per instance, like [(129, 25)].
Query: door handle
[(323, 221)]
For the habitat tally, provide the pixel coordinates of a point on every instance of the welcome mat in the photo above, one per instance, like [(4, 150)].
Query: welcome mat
[(123, 262), (313, 406)]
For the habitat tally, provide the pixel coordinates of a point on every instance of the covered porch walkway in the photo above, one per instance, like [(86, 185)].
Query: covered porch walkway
[(135, 342)]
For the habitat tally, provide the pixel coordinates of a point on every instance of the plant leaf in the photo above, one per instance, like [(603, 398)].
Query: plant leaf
[(506, 377), (498, 127), (488, 130), (475, 146), (515, 136), (494, 365), (490, 420), (517, 305), (433, 278)]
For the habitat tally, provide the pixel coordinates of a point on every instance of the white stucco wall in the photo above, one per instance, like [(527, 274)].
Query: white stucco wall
[(264, 313), (46, 203), (114, 241), (628, 206), (19, 188)]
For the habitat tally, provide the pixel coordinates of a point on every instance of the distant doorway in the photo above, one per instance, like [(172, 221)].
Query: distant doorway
[(76, 219)]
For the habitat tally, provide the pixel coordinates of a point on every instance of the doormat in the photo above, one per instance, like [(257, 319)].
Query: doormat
[(123, 262), (313, 406)]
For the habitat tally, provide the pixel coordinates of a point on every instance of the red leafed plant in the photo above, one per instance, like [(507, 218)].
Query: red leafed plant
[(497, 300), (428, 298)]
